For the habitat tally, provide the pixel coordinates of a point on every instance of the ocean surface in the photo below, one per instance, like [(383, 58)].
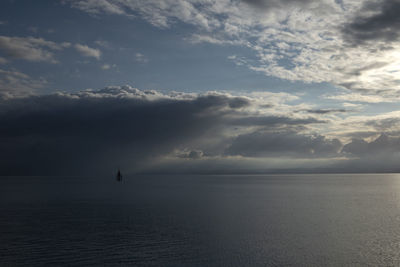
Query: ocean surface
[(222, 220)]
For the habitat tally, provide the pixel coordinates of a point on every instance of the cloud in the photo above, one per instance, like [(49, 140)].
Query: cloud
[(88, 51), (326, 111), (273, 120), (16, 84), (383, 145), (283, 143), (158, 13), (308, 41), (381, 154), (190, 154), (95, 131), (221, 40), (141, 58), (267, 4), (30, 48), (116, 125), (376, 21), (384, 124), (108, 66), (103, 43), (97, 6), (366, 97), (40, 50)]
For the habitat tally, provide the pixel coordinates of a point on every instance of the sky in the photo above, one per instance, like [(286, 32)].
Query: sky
[(199, 86)]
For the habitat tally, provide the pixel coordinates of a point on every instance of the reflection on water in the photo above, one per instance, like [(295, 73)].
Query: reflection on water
[(201, 220)]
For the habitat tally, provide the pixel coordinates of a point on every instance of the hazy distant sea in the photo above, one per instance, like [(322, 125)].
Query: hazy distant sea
[(245, 220)]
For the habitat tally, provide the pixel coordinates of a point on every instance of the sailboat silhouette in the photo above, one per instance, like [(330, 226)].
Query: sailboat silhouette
[(119, 176)]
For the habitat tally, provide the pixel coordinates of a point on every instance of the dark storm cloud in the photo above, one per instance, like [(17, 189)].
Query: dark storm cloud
[(95, 131), (381, 25), (262, 144), (70, 133)]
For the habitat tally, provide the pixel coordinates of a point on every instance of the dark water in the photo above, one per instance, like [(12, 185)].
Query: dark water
[(275, 220)]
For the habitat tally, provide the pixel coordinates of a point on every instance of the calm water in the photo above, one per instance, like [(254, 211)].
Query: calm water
[(274, 220)]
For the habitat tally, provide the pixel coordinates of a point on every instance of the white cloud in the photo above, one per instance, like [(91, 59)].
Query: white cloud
[(97, 6), (202, 38), (108, 66), (102, 43), (88, 51), (293, 40), (159, 13), (141, 58)]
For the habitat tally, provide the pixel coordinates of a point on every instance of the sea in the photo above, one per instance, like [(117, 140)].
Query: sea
[(201, 220)]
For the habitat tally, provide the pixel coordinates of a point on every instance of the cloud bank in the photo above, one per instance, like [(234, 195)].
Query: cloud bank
[(148, 131)]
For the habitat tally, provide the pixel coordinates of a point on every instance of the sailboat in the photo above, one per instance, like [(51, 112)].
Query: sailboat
[(119, 176)]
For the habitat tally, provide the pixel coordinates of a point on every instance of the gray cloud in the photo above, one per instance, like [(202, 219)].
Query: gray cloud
[(379, 155), (192, 154), (273, 120), (283, 143), (384, 144), (326, 111), (377, 20), (38, 49), (30, 48), (14, 83)]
